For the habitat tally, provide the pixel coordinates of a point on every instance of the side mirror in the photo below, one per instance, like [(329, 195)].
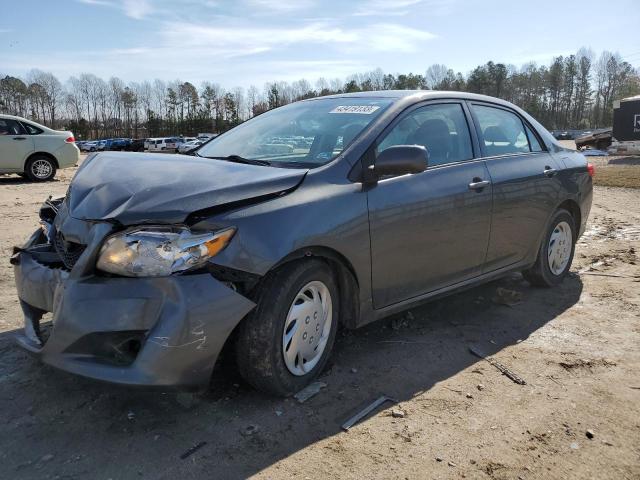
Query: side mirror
[(400, 160)]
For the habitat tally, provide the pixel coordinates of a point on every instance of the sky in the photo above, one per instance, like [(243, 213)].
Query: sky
[(245, 42)]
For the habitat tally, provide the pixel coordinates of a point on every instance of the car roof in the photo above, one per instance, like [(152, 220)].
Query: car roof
[(416, 95)]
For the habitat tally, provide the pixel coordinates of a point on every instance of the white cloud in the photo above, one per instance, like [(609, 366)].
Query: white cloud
[(386, 8), (137, 8), (388, 37), (280, 6), (239, 40)]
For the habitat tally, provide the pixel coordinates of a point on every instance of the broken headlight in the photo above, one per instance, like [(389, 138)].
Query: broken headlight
[(160, 251)]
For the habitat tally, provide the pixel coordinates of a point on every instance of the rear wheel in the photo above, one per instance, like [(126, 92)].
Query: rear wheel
[(556, 252), (40, 168), (285, 342)]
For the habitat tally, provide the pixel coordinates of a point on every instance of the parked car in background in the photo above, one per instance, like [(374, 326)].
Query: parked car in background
[(162, 144), (154, 266), (117, 143), (89, 147), (101, 145), (187, 147), (136, 145), (33, 150), (172, 143)]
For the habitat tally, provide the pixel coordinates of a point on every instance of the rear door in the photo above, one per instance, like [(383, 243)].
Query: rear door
[(15, 145), (525, 185), (429, 230)]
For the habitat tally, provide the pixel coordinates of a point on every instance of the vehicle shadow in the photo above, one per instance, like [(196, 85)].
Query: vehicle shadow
[(625, 161), (15, 179), (122, 433)]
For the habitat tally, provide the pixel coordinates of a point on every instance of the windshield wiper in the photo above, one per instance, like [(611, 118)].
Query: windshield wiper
[(239, 159)]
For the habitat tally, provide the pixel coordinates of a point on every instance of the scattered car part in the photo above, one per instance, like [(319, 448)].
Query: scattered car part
[(505, 371), (366, 411)]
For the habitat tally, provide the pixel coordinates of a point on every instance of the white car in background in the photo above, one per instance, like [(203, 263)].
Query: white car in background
[(186, 147), (33, 150), (162, 144), (89, 147)]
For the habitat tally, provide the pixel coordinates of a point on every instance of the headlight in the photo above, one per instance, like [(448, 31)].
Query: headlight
[(160, 251)]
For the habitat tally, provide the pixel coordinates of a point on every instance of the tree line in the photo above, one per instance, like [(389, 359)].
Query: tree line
[(573, 92)]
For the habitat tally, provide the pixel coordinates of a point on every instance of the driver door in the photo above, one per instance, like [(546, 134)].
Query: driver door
[(429, 230)]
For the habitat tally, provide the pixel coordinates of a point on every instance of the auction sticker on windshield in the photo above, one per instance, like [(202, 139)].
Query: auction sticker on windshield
[(363, 109)]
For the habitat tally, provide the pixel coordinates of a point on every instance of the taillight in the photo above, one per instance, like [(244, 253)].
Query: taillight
[(70, 140), (591, 169)]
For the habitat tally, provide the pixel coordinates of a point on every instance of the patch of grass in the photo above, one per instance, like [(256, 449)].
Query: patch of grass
[(618, 176)]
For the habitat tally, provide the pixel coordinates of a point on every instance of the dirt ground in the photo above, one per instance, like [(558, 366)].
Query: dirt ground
[(576, 346)]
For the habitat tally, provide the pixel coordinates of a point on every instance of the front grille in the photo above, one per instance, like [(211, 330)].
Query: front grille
[(69, 251)]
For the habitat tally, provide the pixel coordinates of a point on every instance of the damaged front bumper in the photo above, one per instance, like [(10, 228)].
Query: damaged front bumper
[(164, 332)]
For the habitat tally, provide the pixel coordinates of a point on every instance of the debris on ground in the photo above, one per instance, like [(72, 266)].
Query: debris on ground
[(505, 371), (438, 459), (192, 450), (186, 399), (354, 370), (249, 430), (507, 297), (397, 413), (131, 415), (480, 387), (48, 457), (587, 364), (366, 411), (589, 433), (469, 395), (309, 391), (398, 323)]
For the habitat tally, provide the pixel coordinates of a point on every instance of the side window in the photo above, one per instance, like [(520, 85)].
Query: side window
[(10, 127), (31, 129), (533, 140), (501, 131), (441, 128)]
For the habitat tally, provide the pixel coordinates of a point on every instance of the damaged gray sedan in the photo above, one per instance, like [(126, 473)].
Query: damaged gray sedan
[(329, 212)]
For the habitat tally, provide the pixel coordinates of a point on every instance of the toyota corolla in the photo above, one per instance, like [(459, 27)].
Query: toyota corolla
[(325, 213)]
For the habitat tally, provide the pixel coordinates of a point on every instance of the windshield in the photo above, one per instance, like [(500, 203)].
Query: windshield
[(303, 134)]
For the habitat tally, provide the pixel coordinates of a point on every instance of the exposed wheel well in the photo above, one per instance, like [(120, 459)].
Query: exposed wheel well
[(345, 276), (41, 154), (574, 209)]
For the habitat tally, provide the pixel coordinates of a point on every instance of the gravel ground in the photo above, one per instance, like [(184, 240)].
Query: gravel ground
[(576, 346)]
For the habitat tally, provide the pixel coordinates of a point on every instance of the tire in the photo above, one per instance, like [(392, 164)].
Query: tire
[(548, 274), (40, 168), (260, 346)]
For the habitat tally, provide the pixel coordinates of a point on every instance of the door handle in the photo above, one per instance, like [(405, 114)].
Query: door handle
[(478, 184), (549, 172), (19, 138)]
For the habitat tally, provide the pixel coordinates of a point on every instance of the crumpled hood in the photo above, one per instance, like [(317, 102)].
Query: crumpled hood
[(136, 188)]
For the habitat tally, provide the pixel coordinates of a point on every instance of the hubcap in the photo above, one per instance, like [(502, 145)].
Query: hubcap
[(41, 168), (307, 328), (559, 248)]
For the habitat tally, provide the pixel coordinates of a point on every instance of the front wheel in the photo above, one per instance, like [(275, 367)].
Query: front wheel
[(285, 342), (40, 169), (556, 252)]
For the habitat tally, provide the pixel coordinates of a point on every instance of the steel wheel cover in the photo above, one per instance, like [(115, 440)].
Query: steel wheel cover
[(41, 168), (559, 248), (307, 328)]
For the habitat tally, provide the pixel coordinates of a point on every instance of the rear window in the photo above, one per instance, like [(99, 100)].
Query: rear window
[(31, 129), (502, 132)]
